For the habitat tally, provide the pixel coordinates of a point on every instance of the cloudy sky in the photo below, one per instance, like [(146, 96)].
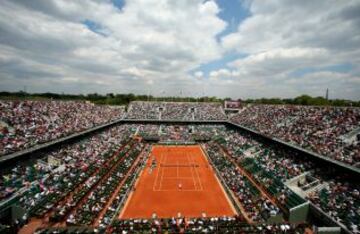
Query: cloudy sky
[(226, 48)]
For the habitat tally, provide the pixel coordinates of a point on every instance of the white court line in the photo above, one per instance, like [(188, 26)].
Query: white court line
[(157, 173), (177, 168), (197, 173), (183, 190), (173, 178), (192, 172), (175, 189), (162, 173), (198, 176)]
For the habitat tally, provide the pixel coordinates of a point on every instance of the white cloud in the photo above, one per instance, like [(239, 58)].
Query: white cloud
[(154, 45), (146, 42), (198, 74), (282, 37), (330, 24), (281, 61)]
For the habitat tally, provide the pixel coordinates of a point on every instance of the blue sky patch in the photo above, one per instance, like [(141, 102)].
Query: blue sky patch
[(94, 27), (339, 68), (233, 12), (118, 3), (219, 63)]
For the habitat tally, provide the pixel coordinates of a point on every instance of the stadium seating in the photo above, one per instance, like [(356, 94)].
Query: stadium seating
[(24, 124), (277, 165), (328, 131), (257, 207), (98, 197), (340, 201), (175, 111), (90, 172), (202, 225), (79, 161)]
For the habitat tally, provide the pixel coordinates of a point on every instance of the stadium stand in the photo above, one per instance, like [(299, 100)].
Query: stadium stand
[(96, 201), (24, 124), (329, 131), (257, 207), (78, 162), (202, 225), (175, 111), (86, 182), (272, 166)]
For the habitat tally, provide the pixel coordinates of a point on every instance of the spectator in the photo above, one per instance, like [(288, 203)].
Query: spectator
[(24, 124), (176, 111), (324, 130)]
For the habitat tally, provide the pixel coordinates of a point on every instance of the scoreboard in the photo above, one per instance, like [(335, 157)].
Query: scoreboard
[(232, 105)]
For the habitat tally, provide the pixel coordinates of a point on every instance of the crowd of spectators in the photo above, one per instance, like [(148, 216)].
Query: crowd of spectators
[(175, 111), (209, 111), (275, 159), (24, 124), (319, 129), (257, 207), (147, 129), (222, 224), (21, 176), (98, 198), (47, 184), (341, 201), (172, 225), (176, 133), (111, 211), (272, 166), (143, 110), (180, 133), (85, 164)]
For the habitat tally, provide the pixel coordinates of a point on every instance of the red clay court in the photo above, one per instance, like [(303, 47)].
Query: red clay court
[(182, 181)]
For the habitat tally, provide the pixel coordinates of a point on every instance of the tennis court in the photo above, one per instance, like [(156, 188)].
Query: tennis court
[(177, 180)]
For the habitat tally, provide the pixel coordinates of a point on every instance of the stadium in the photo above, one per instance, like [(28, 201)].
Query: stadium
[(178, 167), (179, 116)]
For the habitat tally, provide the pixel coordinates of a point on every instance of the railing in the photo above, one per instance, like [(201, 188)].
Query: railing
[(9, 157), (139, 168), (227, 189)]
